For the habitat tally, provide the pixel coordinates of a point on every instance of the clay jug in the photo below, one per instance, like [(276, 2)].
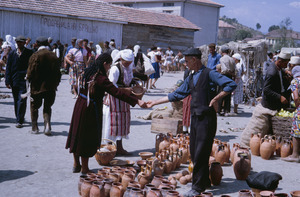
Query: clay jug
[(116, 190), (255, 144), (242, 150), (107, 186), (148, 187), (175, 160), (220, 154), (185, 153), (157, 180), (126, 178), (154, 192), (242, 167), (285, 148), (174, 146), (278, 145), (97, 189), (179, 159), (127, 192), (81, 179), (168, 165), (235, 146), (266, 150), (266, 194), (134, 184), (245, 193), (215, 147), (165, 144), (143, 180), (273, 142), (172, 194), (86, 187), (165, 183), (227, 151), (158, 139), (136, 192), (115, 177), (206, 194), (164, 190), (215, 173), (280, 195)]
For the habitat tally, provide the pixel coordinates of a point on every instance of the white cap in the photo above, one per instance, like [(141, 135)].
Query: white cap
[(285, 56), (237, 56), (295, 60)]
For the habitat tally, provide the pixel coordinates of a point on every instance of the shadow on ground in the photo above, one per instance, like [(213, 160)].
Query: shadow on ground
[(228, 186), (225, 138), (63, 133), (136, 122), (7, 120), (8, 175), (6, 103)]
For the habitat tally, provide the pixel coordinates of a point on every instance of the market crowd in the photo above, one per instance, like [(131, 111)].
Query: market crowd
[(101, 79)]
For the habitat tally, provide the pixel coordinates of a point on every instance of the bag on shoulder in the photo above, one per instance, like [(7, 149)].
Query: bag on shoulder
[(148, 66)]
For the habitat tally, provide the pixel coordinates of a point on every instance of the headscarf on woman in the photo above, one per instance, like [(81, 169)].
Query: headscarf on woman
[(136, 49), (126, 55), (98, 49), (296, 71), (9, 42)]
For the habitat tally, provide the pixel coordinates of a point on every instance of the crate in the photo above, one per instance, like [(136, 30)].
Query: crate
[(282, 126), (166, 125)]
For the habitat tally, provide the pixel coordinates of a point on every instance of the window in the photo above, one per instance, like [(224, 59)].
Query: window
[(168, 4), (128, 5), (168, 11)]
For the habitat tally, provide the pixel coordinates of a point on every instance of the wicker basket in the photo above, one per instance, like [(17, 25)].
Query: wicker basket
[(103, 158), (282, 126)]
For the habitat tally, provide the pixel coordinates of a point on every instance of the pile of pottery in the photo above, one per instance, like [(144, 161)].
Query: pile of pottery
[(270, 144), (120, 182)]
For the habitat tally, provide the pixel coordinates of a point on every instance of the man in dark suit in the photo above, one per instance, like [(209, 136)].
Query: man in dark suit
[(17, 64), (275, 96)]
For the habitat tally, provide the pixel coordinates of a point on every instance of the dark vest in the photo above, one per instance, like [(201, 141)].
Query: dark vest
[(120, 81), (202, 93)]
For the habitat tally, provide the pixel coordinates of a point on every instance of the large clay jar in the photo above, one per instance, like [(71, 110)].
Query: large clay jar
[(255, 144), (97, 189), (148, 187), (115, 177), (220, 154), (174, 146), (285, 148), (165, 144), (235, 146), (175, 160), (126, 178), (245, 193), (86, 187), (154, 192), (143, 180), (215, 147), (215, 173), (127, 192), (107, 186), (168, 165), (159, 168), (156, 181), (81, 179), (136, 192), (159, 138), (116, 190), (227, 151), (278, 145), (266, 150), (206, 194), (185, 153), (242, 167), (172, 194)]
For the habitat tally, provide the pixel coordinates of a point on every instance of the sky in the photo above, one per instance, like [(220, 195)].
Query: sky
[(265, 12)]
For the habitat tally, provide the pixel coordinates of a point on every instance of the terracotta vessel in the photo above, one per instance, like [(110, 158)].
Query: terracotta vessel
[(168, 165), (91, 175), (86, 187), (227, 151), (285, 148), (164, 190), (107, 186), (245, 193), (97, 189), (143, 180), (173, 181), (183, 180), (148, 187), (136, 192), (174, 146), (175, 160), (220, 154), (255, 144), (165, 144), (156, 181), (116, 190), (278, 145), (127, 192), (235, 146), (266, 150), (295, 193), (159, 168), (280, 195), (215, 173), (215, 147), (185, 153), (272, 138), (158, 139), (225, 195), (134, 184), (154, 192), (114, 177), (81, 179), (172, 194), (165, 183), (206, 194), (179, 159), (266, 193), (242, 167), (126, 178)]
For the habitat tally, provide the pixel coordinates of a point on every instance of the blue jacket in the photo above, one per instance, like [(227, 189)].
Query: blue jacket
[(16, 67)]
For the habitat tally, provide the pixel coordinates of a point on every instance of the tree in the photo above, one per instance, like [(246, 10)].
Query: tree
[(258, 26), (241, 34), (273, 27)]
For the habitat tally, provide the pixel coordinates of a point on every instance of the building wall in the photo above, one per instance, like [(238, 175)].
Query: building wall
[(205, 17), (59, 28), (225, 34), (158, 7), (148, 36)]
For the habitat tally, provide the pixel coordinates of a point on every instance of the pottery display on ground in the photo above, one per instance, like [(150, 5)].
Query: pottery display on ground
[(245, 193), (215, 173), (255, 144), (242, 166), (266, 150), (86, 187), (286, 148)]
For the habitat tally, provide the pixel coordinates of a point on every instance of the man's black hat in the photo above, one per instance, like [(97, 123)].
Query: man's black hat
[(73, 39), (192, 52), (20, 39), (42, 40)]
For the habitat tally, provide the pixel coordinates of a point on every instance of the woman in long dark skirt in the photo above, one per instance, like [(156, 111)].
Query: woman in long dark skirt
[(86, 126)]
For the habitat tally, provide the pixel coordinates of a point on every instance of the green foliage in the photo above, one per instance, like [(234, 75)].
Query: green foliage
[(258, 26), (231, 21), (241, 34), (273, 27), (285, 41)]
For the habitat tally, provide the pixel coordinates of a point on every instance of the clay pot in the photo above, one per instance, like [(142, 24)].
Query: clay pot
[(183, 180), (215, 147), (116, 190), (126, 178), (127, 192), (272, 139), (185, 153), (134, 184), (97, 189), (168, 166), (148, 187), (179, 160), (107, 186), (285, 148), (242, 167), (295, 193), (175, 160), (215, 173), (157, 180), (278, 145), (86, 187), (235, 147), (165, 144), (178, 175), (174, 146), (245, 193), (173, 181), (158, 139), (227, 151), (164, 190), (114, 177), (206, 194), (81, 179), (255, 144), (220, 154), (143, 180), (172, 194), (154, 192), (280, 195), (159, 168), (266, 150), (136, 192), (266, 193), (211, 159), (188, 177), (165, 183)]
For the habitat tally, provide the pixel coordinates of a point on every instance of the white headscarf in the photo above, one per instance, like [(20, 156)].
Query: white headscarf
[(9, 42), (98, 49), (237, 56), (136, 49), (114, 54), (126, 55)]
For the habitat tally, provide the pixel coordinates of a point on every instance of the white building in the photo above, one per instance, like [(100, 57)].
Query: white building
[(203, 13)]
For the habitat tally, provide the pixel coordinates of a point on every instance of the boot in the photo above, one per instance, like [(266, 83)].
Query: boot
[(47, 124), (34, 118)]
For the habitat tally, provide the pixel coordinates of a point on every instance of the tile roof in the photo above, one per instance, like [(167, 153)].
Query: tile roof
[(207, 2), (99, 10), (278, 34), (224, 24)]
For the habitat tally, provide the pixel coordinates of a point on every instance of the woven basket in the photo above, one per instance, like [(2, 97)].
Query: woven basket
[(103, 158), (282, 126)]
